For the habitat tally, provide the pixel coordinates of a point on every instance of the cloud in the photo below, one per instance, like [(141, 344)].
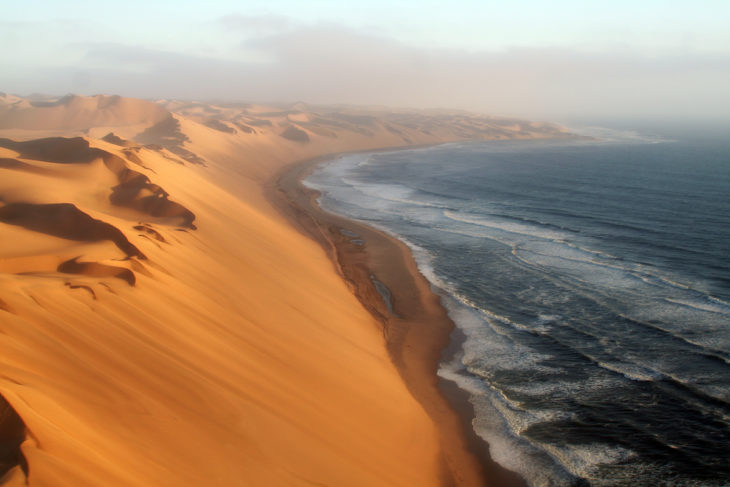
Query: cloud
[(256, 24), (331, 64), (334, 64)]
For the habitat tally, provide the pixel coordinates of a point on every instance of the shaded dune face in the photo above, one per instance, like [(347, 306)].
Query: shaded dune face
[(216, 124), (150, 232), (112, 138), (65, 220), (132, 157), (244, 128), (295, 134), (60, 150), (130, 192), (95, 269), (12, 434), (167, 134), (134, 190)]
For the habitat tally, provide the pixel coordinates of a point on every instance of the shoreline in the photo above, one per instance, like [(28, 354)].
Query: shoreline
[(416, 327)]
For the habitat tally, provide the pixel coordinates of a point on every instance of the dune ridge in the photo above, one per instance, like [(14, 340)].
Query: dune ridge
[(77, 112), (66, 221), (140, 348)]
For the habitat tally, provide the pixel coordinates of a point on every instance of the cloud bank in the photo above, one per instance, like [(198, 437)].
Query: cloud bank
[(331, 64)]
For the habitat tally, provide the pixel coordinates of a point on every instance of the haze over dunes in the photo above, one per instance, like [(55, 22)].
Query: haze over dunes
[(77, 112), (162, 324)]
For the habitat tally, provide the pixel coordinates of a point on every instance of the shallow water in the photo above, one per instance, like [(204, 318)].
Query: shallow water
[(592, 281)]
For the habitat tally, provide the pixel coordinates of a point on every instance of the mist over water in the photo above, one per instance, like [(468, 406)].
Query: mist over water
[(591, 279)]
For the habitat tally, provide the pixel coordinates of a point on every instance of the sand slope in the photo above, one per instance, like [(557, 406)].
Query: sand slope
[(74, 112), (160, 322)]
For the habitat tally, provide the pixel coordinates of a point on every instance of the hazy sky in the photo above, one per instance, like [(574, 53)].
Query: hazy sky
[(543, 59)]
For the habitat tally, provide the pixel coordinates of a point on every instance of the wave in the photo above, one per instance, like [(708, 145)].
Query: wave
[(499, 429), (718, 301), (592, 270), (396, 193), (516, 228), (613, 136), (711, 307), (583, 268)]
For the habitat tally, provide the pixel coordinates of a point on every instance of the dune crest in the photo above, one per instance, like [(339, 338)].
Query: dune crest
[(116, 140), (95, 269), (66, 221), (74, 112), (40, 161), (134, 189)]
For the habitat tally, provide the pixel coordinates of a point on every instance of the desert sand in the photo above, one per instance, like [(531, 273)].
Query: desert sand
[(166, 319)]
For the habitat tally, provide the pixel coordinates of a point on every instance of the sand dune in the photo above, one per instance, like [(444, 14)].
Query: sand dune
[(95, 269), (134, 189), (116, 140), (166, 134), (79, 113), (66, 221), (12, 434), (139, 348), (54, 149)]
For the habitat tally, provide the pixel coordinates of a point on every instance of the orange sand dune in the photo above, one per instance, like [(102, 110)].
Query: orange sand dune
[(78, 113), (66, 221), (140, 349), (242, 359)]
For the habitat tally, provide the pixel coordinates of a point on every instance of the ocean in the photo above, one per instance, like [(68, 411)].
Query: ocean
[(590, 279)]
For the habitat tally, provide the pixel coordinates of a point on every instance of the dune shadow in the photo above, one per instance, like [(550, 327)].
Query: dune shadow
[(65, 220), (61, 150), (12, 435), (167, 134), (135, 190), (95, 269)]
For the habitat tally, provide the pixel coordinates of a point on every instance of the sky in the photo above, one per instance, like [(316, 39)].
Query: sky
[(539, 59)]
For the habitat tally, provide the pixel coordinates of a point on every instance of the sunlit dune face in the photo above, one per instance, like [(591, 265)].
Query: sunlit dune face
[(163, 324)]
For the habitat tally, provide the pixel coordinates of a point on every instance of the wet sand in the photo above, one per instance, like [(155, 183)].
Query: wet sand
[(417, 332)]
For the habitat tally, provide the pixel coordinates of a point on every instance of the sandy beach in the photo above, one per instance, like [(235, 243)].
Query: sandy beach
[(415, 325)]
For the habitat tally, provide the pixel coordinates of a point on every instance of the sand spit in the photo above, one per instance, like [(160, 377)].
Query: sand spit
[(139, 348)]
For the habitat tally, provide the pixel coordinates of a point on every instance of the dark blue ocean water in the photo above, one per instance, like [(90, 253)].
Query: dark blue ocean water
[(592, 281)]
